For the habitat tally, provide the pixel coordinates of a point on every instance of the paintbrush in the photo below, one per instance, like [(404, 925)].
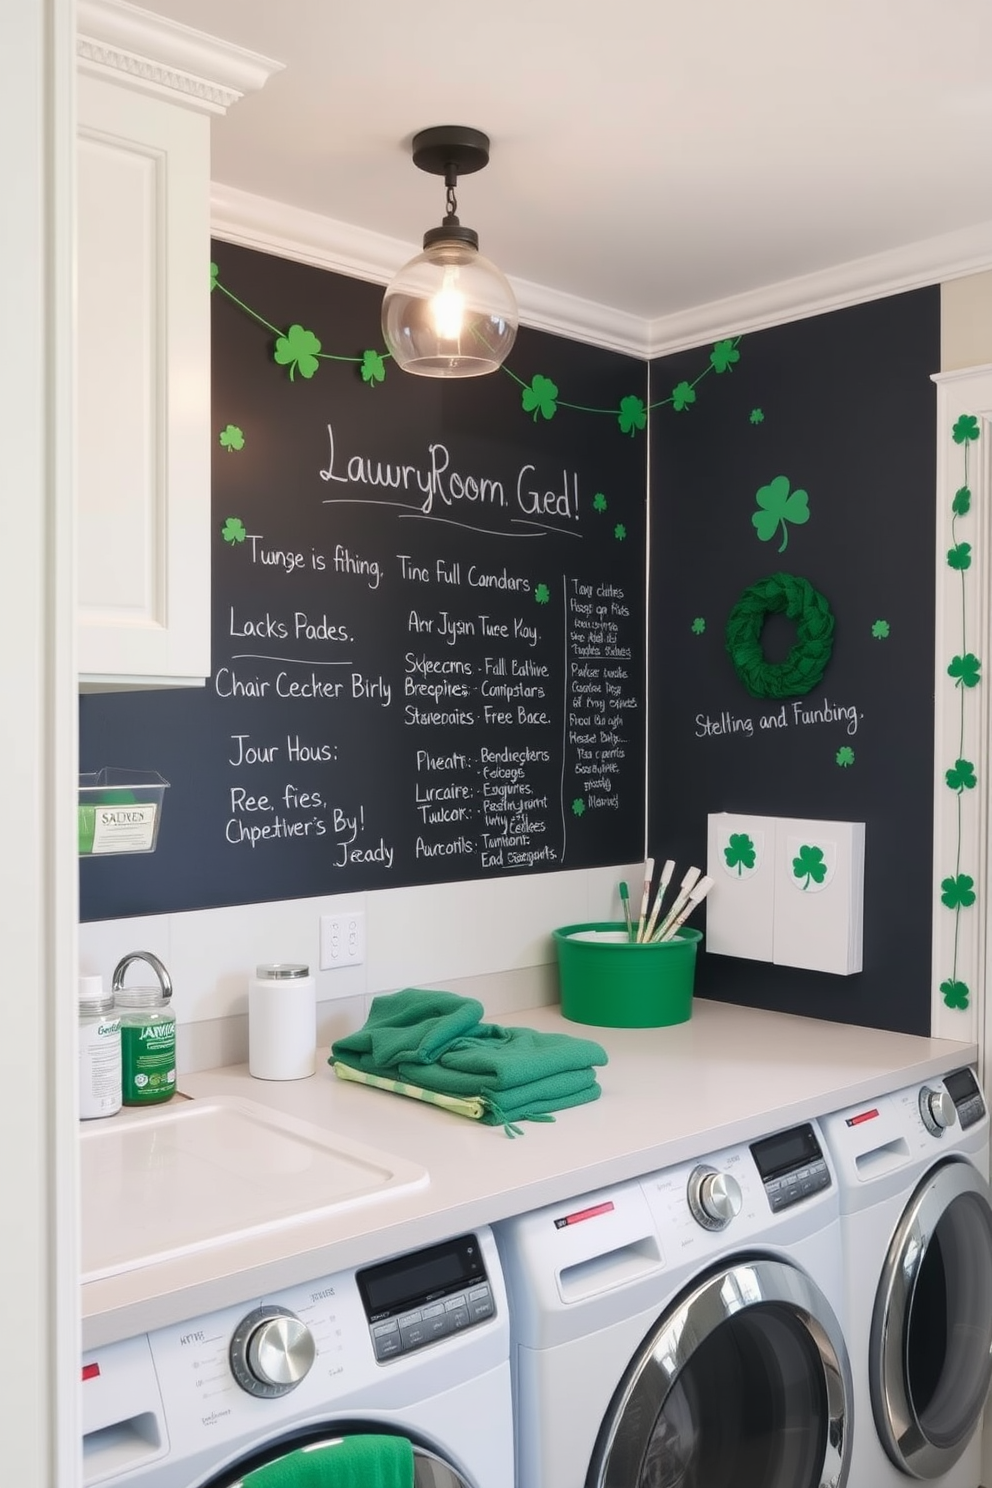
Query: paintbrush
[(696, 896), (663, 882), (646, 896), (690, 878), (625, 901)]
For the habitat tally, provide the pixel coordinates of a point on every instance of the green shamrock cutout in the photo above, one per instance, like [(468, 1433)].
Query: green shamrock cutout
[(778, 509), (540, 397), (880, 630), (958, 892), (844, 756), (966, 428), (740, 852), (682, 396), (632, 415), (959, 556), (965, 670), (578, 807), (756, 416), (955, 994), (961, 505), (599, 502), (698, 625), (542, 594), (233, 530), (373, 368), (214, 272), (809, 865), (232, 438), (619, 532), (723, 356), (298, 349), (962, 776)]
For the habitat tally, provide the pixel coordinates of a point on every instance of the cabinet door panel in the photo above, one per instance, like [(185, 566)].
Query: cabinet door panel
[(143, 389)]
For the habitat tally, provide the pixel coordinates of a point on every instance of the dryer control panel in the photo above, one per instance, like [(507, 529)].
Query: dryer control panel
[(963, 1089), (791, 1165), (418, 1298)]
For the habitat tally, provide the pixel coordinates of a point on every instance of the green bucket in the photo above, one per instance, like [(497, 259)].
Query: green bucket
[(611, 982)]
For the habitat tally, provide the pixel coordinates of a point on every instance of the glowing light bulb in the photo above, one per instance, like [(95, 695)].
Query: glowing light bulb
[(448, 307)]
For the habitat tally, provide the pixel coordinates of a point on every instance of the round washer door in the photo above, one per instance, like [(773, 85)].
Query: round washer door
[(744, 1383), (429, 1470), (930, 1360)]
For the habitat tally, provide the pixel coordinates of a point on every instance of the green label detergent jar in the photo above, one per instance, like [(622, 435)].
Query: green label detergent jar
[(148, 1034)]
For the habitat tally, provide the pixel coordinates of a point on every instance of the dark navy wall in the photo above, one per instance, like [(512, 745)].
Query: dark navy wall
[(840, 407), (428, 617)]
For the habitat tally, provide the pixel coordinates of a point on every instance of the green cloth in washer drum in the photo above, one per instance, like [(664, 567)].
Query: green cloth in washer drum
[(366, 1461)]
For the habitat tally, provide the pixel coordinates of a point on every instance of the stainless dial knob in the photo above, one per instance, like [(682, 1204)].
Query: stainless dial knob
[(714, 1198), (937, 1109), (271, 1351)]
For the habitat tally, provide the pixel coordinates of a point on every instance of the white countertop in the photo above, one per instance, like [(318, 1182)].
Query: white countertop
[(668, 1094)]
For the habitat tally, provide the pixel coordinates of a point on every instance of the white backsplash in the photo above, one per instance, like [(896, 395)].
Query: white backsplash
[(489, 939)]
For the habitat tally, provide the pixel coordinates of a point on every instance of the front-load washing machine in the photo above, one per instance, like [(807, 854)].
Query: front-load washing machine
[(916, 1225), (414, 1346), (681, 1330)]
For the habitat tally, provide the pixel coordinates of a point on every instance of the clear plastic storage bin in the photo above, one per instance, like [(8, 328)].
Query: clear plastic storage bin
[(119, 811)]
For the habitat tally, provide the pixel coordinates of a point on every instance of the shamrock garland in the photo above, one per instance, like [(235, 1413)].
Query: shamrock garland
[(957, 891), (300, 351)]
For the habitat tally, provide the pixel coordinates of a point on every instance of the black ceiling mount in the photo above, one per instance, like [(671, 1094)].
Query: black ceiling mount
[(449, 147)]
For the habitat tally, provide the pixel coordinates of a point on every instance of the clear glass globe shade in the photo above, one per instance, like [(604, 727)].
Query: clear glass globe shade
[(449, 313)]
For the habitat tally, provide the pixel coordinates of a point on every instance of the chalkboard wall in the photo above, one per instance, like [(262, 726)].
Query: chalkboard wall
[(428, 617), (839, 407)]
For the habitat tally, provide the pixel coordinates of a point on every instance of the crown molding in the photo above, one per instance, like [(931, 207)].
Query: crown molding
[(290, 232), (912, 266), (159, 56)]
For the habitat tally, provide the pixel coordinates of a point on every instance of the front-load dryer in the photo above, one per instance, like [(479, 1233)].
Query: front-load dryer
[(916, 1226), (681, 1330), (416, 1345)]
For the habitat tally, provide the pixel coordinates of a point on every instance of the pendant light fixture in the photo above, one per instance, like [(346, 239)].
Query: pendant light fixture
[(449, 312)]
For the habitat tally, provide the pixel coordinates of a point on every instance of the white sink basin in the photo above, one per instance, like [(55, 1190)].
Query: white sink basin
[(159, 1183)]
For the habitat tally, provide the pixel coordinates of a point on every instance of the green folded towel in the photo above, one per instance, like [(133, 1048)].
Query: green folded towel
[(528, 1103), (434, 1042), (495, 1058), (410, 1026), (536, 1100), (351, 1462)]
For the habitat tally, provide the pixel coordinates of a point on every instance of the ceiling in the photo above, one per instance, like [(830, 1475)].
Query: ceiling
[(648, 160)]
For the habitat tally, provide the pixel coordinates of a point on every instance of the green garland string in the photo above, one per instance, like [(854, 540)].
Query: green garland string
[(794, 597)]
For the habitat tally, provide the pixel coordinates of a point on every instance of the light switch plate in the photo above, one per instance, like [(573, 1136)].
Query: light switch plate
[(342, 939)]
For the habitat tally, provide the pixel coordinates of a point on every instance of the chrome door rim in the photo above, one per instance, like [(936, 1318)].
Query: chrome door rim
[(897, 1422), (714, 1301)]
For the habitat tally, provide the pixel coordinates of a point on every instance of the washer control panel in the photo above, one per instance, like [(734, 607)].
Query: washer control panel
[(714, 1198), (791, 1165), (963, 1089), (271, 1351), (419, 1298)]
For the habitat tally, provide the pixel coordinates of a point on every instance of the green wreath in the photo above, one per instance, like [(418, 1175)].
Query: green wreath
[(806, 663)]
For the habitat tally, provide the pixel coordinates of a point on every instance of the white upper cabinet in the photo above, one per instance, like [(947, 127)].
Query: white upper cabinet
[(146, 91), (143, 389)]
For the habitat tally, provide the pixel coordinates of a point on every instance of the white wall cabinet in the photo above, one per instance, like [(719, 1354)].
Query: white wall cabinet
[(146, 91), (143, 389)]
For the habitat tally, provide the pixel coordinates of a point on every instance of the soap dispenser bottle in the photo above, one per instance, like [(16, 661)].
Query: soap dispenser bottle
[(148, 1034)]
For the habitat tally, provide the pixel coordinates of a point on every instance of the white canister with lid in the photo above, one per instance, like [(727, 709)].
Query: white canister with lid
[(282, 1022)]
